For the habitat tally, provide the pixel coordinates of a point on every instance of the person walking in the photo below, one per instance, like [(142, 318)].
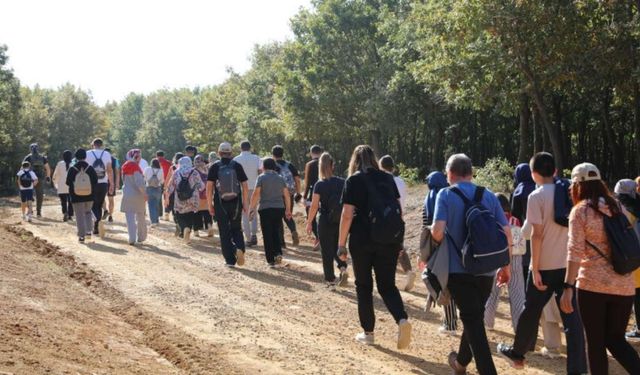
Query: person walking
[(252, 166), (59, 179), (274, 201), (27, 181), (311, 174), (40, 166), (546, 275), (111, 193), (292, 179), (227, 198), (604, 296), (100, 160), (185, 186), (469, 291), (82, 181), (523, 187), (327, 192), (153, 178), (204, 221), (134, 197), (165, 165), (169, 198), (367, 183)]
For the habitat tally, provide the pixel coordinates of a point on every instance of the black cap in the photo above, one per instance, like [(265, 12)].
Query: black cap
[(277, 151), (315, 150)]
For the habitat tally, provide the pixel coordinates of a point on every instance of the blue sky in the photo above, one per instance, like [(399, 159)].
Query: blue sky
[(118, 46)]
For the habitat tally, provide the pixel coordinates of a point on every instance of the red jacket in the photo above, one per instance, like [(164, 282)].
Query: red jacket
[(165, 165)]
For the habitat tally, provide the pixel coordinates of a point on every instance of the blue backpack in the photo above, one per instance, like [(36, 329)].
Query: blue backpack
[(486, 247), (561, 201)]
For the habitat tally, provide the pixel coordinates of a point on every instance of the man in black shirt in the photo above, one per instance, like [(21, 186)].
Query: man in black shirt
[(291, 177), (39, 166), (310, 179), (227, 199)]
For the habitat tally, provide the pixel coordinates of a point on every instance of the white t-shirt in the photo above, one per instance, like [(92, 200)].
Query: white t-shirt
[(94, 154), (33, 179), (402, 188), (149, 172), (251, 164), (540, 211), (60, 178), (143, 164)]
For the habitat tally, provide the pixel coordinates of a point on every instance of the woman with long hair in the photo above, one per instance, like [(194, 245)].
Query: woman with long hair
[(604, 297), (154, 177), (365, 178), (134, 196), (326, 199), (59, 179)]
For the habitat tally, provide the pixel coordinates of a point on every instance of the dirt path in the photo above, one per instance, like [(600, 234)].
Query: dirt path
[(179, 309)]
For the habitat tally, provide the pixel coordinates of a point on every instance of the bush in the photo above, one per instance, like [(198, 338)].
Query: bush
[(409, 175), (497, 175)]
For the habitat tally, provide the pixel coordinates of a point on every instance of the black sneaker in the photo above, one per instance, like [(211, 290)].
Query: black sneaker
[(81, 239), (39, 214), (457, 368), (105, 215), (95, 231), (515, 360), (65, 218), (110, 219)]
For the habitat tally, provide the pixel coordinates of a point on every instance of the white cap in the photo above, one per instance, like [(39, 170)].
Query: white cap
[(585, 172), (224, 147)]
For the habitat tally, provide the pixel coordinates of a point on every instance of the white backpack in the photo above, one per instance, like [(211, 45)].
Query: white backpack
[(82, 183), (517, 238)]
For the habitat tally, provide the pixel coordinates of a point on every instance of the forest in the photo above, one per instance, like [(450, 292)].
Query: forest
[(416, 79)]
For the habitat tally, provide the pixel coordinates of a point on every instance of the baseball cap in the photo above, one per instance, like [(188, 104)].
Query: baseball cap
[(315, 149), (585, 172), (224, 147)]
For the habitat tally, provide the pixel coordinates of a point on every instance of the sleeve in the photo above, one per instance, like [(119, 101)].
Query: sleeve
[(348, 193), (259, 181), (534, 210), (27, 158), (294, 170), (70, 175), (317, 188), (33, 176), (441, 207), (242, 176), (161, 175), (516, 207), (213, 172), (172, 184), (425, 216), (395, 187), (577, 241), (146, 175), (259, 163)]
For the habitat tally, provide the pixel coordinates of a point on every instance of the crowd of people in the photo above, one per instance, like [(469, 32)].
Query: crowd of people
[(554, 243)]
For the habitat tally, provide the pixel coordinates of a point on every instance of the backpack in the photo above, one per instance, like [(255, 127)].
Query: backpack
[(486, 247), (519, 244), (185, 190), (37, 165), (227, 183), (98, 165), (82, 183), (385, 213), (333, 211), (623, 241), (25, 179), (562, 203), (154, 181), (285, 172)]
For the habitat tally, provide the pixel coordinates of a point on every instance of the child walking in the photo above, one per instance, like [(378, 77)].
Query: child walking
[(27, 181)]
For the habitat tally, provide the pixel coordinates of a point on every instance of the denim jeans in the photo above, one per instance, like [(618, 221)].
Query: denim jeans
[(154, 194)]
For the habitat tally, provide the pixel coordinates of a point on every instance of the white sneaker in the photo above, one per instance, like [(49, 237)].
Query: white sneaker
[(187, 235), (411, 281), (240, 257), (196, 233), (166, 217), (365, 338), (404, 334), (549, 353), (279, 259), (444, 331), (102, 232), (343, 279)]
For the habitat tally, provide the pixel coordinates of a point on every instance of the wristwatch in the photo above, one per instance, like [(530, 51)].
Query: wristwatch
[(568, 286)]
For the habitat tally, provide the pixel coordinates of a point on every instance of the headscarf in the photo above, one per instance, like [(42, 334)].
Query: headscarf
[(184, 164), (436, 182), (130, 166), (625, 191), (131, 154), (67, 156), (199, 162), (523, 182)]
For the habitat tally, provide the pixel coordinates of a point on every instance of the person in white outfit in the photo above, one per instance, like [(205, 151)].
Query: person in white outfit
[(60, 183), (252, 165)]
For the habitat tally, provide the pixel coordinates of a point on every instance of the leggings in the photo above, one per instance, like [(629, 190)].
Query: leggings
[(65, 203)]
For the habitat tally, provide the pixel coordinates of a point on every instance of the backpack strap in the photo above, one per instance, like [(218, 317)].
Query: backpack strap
[(477, 198), (459, 193)]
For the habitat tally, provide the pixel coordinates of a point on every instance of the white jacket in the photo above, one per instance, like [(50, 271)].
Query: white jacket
[(60, 178)]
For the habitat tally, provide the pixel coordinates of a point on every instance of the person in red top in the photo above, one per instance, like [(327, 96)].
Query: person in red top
[(165, 165)]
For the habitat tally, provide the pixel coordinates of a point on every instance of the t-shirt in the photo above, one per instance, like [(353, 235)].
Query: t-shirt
[(311, 177), (324, 188), (213, 173), (37, 164), (540, 211), (94, 154), (149, 172), (355, 193), (251, 164), (402, 188), (271, 185), (451, 209), (34, 178)]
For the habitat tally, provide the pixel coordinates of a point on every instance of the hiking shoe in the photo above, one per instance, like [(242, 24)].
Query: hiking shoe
[(105, 215), (39, 214), (549, 352), (457, 368), (343, 279), (316, 246), (240, 257), (365, 338), (515, 360), (81, 239), (65, 218), (210, 232), (404, 334), (166, 217), (272, 265), (632, 336), (110, 219), (295, 239), (411, 281), (101, 230), (196, 233), (443, 330), (278, 259), (177, 233), (230, 265), (187, 235)]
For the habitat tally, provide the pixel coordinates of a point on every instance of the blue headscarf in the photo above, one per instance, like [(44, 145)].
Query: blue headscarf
[(436, 181), (524, 184)]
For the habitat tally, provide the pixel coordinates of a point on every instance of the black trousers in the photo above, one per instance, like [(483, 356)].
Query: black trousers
[(203, 220), (39, 194), (229, 219), (383, 260), (314, 225), (470, 294), (99, 194), (328, 234), (605, 318), (271, 226), (185, 220), (291, 224), (636, 308), (65, 203)]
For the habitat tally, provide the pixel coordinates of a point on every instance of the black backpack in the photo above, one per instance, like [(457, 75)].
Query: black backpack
[(25, 179), (562, 203), (98, 165), (623, 242), (333, 210), (185, 190), (385, 213)]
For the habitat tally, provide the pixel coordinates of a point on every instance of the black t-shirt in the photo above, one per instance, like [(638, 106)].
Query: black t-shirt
[(355, 193), (37, 164), (213, 173), (71, 177), (294, 170), (324, 188), (311, 177)]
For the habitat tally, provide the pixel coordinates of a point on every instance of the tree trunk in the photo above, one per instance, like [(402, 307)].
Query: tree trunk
[(374, 141), (538, 141), (524, 152), (636, 120), (552, 131)]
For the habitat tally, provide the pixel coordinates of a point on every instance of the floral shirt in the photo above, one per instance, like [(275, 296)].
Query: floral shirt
[(193, 203), (596, 273)]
